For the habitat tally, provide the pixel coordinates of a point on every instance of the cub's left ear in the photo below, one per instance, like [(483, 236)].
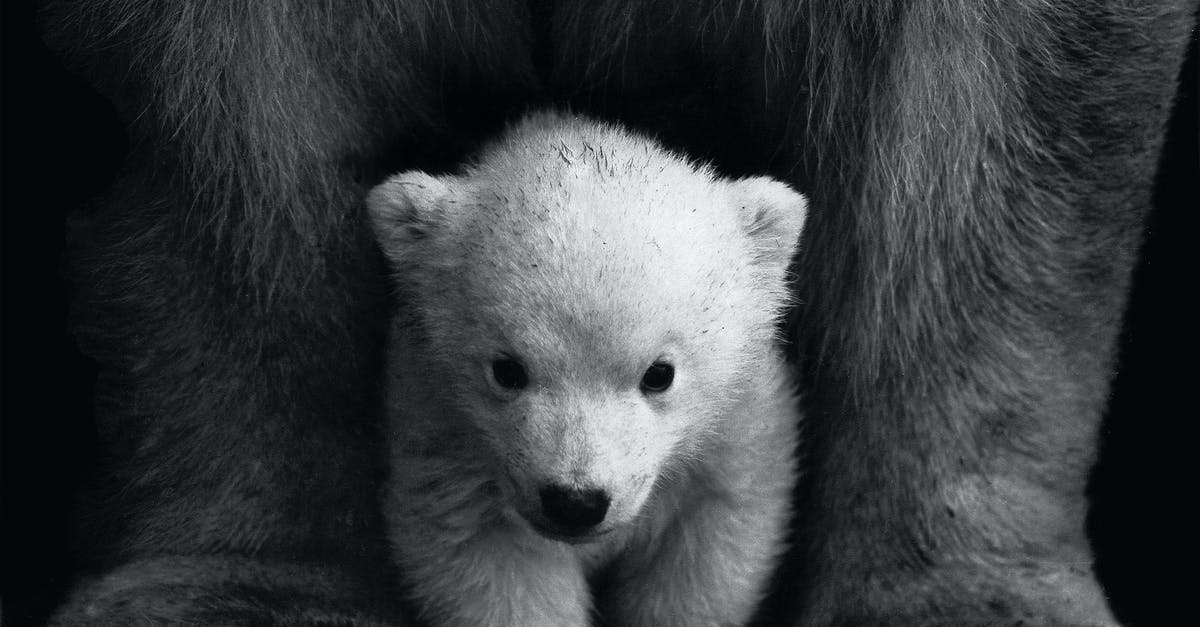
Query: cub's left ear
[(772, 215)]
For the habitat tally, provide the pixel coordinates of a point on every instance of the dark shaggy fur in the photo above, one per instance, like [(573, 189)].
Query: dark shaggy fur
[(978, 174)]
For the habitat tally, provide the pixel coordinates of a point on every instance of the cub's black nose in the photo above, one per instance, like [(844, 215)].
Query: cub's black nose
[(574, 511)]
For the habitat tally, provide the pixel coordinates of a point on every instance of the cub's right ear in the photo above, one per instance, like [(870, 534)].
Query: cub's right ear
[(406, 209), (773, 214)]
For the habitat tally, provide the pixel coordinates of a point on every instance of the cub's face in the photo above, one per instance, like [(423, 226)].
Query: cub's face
[(591, 326), (586, 418)]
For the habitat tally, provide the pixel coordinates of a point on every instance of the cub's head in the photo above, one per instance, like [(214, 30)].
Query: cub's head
[(591, 305)]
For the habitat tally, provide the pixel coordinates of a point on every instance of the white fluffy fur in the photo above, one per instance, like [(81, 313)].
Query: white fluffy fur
[(588, 252)]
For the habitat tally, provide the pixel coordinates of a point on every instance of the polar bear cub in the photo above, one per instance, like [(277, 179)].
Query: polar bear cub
[(588, 409)]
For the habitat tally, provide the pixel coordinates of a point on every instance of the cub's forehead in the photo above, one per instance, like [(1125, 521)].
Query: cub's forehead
[(583, 239), (561, 182), (570, 222), (592, 241), (615, 229)]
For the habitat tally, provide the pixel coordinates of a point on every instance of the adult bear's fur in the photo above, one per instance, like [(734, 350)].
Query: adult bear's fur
[(978, 172)]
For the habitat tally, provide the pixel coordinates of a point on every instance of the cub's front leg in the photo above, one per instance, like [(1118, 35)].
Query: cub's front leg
[(464, 563), (711, 558), (710, 567)]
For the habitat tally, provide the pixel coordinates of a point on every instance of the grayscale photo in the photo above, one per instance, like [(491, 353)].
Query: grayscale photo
[(554, 313)]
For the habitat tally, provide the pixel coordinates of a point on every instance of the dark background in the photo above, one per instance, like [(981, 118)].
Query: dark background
[(62, 144)]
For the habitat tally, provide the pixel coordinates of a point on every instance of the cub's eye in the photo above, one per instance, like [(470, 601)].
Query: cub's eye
[(658, 377), (509, 373)]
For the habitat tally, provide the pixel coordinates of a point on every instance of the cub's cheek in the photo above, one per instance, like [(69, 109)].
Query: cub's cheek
[(518, 491), (508, 489), (630, 503)]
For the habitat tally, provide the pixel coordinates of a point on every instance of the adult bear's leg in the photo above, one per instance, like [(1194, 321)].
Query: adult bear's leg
[(980, 174)]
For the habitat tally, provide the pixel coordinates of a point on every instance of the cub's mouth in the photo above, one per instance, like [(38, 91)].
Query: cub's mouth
[(567, 533)]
